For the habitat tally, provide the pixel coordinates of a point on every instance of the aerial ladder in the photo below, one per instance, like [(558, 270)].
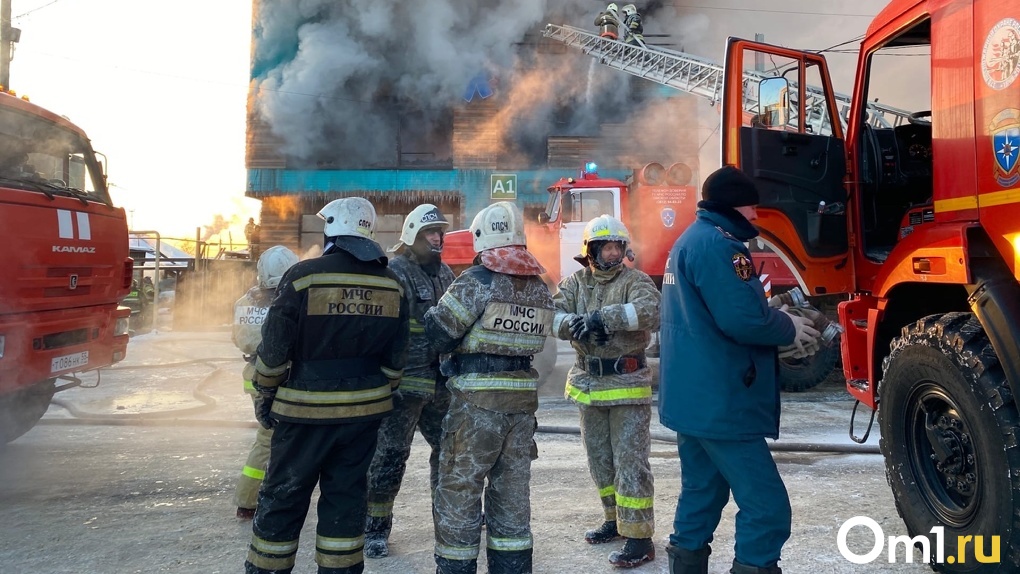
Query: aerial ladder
[(704, 78)]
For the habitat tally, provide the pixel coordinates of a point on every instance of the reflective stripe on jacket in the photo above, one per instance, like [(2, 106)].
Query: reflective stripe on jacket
[(496, 314), (342, 324), (629, 305)]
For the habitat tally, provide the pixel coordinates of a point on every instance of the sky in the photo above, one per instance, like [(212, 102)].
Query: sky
[(160, 88)]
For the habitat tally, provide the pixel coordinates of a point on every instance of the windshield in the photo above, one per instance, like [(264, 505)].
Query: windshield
[(38, 155), (552, 209)]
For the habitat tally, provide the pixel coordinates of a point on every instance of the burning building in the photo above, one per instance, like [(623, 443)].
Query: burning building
[(452, 102)]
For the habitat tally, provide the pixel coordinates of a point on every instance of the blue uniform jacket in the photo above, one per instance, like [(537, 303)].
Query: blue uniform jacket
[(719, 336)]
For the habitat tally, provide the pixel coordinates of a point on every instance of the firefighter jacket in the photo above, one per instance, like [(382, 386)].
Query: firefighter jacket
[(249, 313), (423, 286), (614, 373), (719, 336), (633, 23), (341, 326), (493, 323)]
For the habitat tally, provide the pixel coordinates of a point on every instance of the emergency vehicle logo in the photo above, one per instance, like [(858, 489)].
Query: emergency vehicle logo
[(743, 266), (668, 216), (1005, 128), (1000, 57)]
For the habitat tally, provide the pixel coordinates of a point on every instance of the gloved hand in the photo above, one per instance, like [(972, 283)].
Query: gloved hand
[(805, 330), (578, 327), (594, 324), (264, 398)]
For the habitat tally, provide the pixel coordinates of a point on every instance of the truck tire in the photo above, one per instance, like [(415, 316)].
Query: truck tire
[(22, 409), (798, 375), (949, 428)]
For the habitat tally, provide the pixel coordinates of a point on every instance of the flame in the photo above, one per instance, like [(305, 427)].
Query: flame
[(283, 207)]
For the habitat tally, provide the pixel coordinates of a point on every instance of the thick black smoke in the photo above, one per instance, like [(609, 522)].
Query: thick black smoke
[(374, 82)]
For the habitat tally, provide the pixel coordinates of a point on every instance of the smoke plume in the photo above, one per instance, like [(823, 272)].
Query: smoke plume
[(342, 83)]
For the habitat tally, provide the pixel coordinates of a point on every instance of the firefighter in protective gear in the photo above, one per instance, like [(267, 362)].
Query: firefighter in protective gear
[(493, 319), (333, 348), (424, 397), (607, 311), (249, 312), (718, 388), (632, 24), (608, 22)]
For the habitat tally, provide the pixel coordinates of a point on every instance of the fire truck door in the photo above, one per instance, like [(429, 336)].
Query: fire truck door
[(781, 127)]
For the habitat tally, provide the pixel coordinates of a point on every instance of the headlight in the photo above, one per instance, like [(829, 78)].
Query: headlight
[(120, 327)]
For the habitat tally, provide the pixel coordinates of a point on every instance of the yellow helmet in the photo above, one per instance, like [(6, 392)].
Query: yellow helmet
[(603, 228), (612, 7)]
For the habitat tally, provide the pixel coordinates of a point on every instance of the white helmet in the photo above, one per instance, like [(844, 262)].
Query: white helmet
[(353, 216), (630, 9), (612, 7), (273, 263), (498, 225), (425, 216), (601, 229)]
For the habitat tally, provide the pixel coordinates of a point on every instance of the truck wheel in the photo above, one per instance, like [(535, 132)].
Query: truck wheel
[(949, 427), (797, 375), (20, 410)]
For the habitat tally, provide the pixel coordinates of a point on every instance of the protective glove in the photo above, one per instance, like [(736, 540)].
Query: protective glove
[(805, 330), (578, 327), (264, 398), (594, 325), (800, 351)]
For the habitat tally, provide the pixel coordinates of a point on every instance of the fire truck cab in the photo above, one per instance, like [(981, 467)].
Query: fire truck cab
[(915, 213), (65, 263)]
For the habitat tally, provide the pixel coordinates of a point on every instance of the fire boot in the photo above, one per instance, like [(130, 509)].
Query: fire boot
[(635, 552), (447, 566), (377, 534), (682, 561), (509, 562), (739, 568), (605, 533)]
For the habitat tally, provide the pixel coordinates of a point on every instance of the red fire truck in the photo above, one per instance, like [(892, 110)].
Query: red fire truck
[(919, 221), (65, 263)]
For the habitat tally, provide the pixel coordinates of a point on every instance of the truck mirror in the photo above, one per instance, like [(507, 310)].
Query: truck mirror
[(773, 102)]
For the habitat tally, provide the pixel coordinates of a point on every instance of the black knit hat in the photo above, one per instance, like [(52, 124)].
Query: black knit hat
[(730, 186)]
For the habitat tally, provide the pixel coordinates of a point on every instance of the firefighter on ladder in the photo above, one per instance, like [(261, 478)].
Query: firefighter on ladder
[(633, 30), (494, 318), (607, 311), (424, 397), (608, 22), (249, 311)]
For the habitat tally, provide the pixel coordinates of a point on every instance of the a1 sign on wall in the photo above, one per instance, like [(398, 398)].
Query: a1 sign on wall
[(503, 186)]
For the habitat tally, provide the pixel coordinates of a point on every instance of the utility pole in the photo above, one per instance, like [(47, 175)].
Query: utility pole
[(8, 37)]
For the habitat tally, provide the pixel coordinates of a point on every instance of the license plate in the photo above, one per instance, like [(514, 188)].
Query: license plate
[(72, 361)]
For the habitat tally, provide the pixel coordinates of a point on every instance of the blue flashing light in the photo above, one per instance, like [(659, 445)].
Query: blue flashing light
[(591, 167)]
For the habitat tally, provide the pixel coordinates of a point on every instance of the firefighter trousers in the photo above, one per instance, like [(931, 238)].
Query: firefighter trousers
[(618, 443), (246, 495), (396, 434), (336, 457), (709, 470), (479, 444)]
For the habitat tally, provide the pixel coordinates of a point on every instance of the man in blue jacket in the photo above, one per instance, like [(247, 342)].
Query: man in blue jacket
[(718, 383)]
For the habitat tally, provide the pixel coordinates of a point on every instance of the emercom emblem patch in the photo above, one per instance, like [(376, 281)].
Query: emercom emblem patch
[(743, 266)]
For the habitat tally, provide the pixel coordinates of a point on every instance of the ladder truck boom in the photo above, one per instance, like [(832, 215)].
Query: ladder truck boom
[(704, 78)]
